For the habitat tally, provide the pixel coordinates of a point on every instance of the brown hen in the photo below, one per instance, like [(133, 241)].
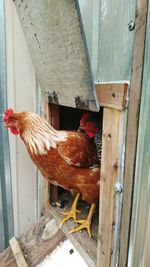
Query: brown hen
[(65, 158)]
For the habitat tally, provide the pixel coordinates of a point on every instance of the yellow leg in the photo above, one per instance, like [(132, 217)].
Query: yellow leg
[(72, 212), (85, 223)]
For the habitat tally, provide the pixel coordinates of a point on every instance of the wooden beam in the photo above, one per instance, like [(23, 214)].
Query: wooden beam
[(17, 252), (132, 126), (112, 95), (45, 184), (109, 175), (49, 191), (54, 111)]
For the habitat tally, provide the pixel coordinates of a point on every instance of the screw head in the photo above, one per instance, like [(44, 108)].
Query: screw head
[(131, 25), (118, 187)]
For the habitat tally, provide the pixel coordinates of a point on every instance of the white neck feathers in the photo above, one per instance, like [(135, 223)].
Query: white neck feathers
[(39, 136)]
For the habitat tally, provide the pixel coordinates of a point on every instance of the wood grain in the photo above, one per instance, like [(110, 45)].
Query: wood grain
[(45, 184), (112, 95), (7, 258), (109, 174), (41, 239), (17, 252), (54, 118), (132, 126), (49, 192), (35, 243)]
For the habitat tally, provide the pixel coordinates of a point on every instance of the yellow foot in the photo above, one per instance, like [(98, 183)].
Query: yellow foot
[(84, 224), (72, 213)]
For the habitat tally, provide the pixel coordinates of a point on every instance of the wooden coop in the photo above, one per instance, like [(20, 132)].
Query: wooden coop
[(83, 64)]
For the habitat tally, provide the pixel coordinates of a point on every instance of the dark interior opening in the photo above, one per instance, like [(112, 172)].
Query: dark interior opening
[(69, 119)]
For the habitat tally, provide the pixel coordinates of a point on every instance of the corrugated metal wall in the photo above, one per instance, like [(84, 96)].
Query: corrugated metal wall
[(6, 214), (139, 251), (109, 35)]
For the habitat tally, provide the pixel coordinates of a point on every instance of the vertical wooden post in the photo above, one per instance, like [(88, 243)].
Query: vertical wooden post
[(54, 109), (109, 174), (113, 98), (49, 192), (45, 184)]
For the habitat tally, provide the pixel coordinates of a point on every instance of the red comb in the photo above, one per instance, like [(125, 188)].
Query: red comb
[(85, 117), (8, 112)]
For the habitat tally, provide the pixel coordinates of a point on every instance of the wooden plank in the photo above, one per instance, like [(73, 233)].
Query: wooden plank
[(35, 246), (112, 95), (45, 184), (7, 258), (109, 174), (132, 126), (36, 243), (54, 111), (42, 239), (49, 192), (17, 252)]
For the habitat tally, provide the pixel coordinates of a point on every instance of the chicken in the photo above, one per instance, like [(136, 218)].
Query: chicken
[(64, 158), (90, 125)]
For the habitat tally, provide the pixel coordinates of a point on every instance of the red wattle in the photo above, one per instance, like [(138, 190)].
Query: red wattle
[(14, 131)]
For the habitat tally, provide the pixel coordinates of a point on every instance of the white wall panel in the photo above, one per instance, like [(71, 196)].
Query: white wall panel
[(21, 96)]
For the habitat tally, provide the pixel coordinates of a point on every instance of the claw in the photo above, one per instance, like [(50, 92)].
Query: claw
[(85, 224), (71, 213), (68, 212)]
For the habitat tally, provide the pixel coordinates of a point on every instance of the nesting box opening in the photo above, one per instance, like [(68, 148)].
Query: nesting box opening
[(68, 118)]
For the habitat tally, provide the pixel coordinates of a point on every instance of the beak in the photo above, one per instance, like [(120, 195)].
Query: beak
[(80, 129), (6, 126)]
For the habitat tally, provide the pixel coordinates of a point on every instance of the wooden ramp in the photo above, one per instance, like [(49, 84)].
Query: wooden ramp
[(41, 239), (34, 245)]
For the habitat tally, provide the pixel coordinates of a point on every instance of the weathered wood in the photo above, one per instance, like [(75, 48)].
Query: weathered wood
[(44, 236), (7, 258), (54, 118), (132, 126), (112, 95), (35, 246), (36, 243), (45, 184), (17, 252), (49, 192), (109, 174)]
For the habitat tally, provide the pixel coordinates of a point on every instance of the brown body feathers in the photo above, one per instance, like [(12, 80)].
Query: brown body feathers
[(65, 158)]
